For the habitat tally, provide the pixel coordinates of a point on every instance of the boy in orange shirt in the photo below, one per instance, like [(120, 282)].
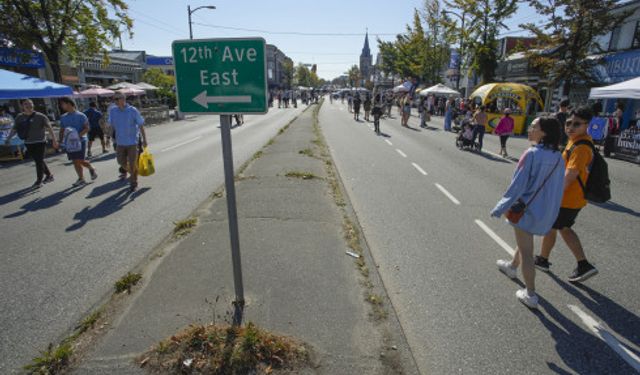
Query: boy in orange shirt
[(577, 163)]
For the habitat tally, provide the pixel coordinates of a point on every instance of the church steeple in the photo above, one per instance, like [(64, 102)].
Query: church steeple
[(366, 60), (365, 50)]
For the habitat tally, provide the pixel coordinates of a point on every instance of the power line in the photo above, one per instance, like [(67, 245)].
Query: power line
[(298, 33)]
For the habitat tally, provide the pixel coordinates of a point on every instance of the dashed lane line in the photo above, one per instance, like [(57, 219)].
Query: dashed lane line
[(401, 153), (447, 194), (416, 166), (601, 332), (181, 144), (388, 142), (495, 237)]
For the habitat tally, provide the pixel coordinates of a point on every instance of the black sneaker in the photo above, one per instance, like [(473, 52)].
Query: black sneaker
[(542, 263), (48, 179), (582, 273)]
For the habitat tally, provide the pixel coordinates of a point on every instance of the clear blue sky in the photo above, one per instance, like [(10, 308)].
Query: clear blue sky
[(158, 23)]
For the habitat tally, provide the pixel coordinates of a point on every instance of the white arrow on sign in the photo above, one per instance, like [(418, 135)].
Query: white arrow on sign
[(204, 100)]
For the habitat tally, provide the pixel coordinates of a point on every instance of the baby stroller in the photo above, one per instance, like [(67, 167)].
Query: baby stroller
[(464, 140)]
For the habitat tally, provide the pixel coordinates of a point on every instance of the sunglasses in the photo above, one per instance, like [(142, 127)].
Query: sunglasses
[(574, 124)]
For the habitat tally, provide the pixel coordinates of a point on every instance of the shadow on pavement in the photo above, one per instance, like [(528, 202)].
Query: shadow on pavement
[(46, 202), (612, 206), (578, 349), (107, 207), (619, 319), (17, 195), (102, 157), (105, 188), (383, 134), (412, 128)]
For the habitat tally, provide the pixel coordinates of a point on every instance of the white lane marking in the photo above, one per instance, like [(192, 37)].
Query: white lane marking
[(601, 332), (388, 142), (495, 237), (401, 153), (416, 166), (449, 195), (181, 144)]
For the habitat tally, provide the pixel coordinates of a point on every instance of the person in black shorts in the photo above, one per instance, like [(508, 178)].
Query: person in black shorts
[(95, 131)]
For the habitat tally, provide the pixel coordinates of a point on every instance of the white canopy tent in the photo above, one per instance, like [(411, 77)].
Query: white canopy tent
[(439, 89), (624, 90)]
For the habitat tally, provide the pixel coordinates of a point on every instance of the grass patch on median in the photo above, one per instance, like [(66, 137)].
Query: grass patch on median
[(301, 175), (307, 151), (184, 227), (127, 282), (89, 321), (352, 235), (51, 361), (225, 349)]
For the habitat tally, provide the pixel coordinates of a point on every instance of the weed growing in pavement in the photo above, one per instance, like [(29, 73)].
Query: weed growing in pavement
[(89, 321), (127, 282), (184, 227), (51, 361), (224, 349), (351, 233), (307, 151), (302, 175)]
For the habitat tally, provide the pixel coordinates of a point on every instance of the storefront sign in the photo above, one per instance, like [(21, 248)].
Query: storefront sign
[(160, 60), (629, 143), (619, 67), (21, 57)]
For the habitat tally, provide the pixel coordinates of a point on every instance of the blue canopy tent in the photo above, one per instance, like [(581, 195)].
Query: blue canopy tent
[(16, 86)]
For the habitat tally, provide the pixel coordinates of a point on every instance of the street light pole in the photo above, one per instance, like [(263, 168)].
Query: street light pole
[(462, 19), (190, 12)]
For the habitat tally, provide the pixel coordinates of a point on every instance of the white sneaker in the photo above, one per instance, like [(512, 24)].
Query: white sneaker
[(526, 299), (505, 267)]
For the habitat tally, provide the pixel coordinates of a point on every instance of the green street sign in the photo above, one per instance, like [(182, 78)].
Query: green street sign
[(222, 76)]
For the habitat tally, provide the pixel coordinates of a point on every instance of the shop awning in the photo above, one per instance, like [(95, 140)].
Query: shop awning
[(624, 90), (17, 86)]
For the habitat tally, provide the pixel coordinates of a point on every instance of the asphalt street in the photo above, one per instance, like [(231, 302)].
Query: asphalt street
[(424, 209), (62, 248)]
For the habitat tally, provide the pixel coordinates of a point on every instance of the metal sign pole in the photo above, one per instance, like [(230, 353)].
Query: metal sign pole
[(227, 156)]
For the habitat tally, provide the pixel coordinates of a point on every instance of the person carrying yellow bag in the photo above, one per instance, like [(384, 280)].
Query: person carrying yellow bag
[(146, 166)]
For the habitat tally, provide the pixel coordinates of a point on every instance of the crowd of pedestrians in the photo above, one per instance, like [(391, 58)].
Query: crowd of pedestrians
[(78, 131), (547, 190)]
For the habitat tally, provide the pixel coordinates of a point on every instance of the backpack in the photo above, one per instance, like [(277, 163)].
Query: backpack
[(596, 189), (22, 128), (72, 141)]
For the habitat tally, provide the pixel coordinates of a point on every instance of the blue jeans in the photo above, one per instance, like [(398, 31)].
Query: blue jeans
[(478, 131)]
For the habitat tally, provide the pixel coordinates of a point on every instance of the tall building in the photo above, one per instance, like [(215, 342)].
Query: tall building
[(366, 60)]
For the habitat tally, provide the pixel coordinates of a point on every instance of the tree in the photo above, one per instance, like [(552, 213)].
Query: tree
[(480, 32), (354, 76), (77, 27), (305, 77), (163, 82), (420, 53), (287, 73), (437, 39), (568, 37)]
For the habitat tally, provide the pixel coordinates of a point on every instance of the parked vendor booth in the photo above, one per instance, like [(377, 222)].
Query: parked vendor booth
[(523, 101), (625, 141)]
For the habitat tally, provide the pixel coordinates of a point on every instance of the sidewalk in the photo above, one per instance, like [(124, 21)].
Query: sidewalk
[(298, 280)]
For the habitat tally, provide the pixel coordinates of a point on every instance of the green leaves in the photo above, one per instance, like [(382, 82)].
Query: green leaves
[(71, 28), (422, 50), (568, 37)]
